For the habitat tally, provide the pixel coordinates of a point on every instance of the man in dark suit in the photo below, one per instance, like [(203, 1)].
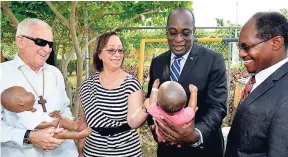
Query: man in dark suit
[(206, 70), (260, 125)]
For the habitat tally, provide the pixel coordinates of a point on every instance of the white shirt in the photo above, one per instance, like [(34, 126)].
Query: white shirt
[(12, 136), (264, 74), (182, 63)]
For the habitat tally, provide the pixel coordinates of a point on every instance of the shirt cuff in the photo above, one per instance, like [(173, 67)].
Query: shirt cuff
[(18, 136), (198, 143)]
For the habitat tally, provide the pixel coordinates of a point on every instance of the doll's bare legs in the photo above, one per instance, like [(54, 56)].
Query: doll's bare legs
[(66, 134), (193, 97), (54, 123), (75, 129), (154, 92)]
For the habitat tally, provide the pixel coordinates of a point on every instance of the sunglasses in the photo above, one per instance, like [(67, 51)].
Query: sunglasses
[(40, 42), (113, 51)]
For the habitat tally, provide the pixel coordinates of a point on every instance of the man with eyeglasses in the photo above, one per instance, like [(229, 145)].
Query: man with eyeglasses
[(260, 125), (188, 63), (29, 70)]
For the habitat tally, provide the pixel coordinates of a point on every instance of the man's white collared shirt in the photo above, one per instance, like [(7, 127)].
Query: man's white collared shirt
[(264, 74), (12, 133)]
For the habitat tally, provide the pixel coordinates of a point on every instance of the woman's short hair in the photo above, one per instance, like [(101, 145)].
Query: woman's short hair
[(101, 42), (24, 27)]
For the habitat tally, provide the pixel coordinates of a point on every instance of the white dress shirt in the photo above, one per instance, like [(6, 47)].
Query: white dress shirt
[(11, 134), (264, 74), (182, 63)]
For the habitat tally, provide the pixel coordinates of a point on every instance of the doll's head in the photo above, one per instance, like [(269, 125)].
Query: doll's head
[(17, 99), (171, 97)]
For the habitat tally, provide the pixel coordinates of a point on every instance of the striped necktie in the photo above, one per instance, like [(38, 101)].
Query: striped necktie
[(175, 69)]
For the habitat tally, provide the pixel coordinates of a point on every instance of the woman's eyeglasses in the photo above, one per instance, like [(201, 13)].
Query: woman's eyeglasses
[(113, 51), (40, 42)]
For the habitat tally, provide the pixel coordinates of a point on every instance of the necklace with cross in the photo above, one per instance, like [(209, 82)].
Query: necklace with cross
[(41, 100)]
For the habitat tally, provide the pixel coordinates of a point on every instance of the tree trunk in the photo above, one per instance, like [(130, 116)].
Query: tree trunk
[(76, 46), (76, 100), (64, 68), (11, 16)]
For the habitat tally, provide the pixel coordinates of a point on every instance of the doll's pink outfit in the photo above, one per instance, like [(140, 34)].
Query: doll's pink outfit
[(179, 118)]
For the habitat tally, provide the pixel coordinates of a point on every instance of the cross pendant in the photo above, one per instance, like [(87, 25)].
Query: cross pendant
[(42, 101)]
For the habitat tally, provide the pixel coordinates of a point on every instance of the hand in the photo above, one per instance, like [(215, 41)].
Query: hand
[(43, 138), (186, 133), (175, 134)]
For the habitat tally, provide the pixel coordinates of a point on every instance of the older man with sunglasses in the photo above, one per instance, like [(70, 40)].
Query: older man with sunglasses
[(260, 125), (28, 69)]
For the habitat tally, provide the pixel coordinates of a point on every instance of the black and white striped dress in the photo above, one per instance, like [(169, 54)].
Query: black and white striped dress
[(108, 108)]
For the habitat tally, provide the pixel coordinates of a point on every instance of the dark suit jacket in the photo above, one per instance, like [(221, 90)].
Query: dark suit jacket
[(205, 69), (260, 125)]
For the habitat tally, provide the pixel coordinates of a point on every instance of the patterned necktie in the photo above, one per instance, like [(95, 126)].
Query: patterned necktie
[(248, 87), (175, 69)]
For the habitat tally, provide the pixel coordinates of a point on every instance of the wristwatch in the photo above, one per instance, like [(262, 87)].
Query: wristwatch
[(26, 137)]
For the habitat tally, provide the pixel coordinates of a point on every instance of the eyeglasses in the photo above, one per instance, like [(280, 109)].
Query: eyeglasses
[(185, 33), (113, 51), (247, 48), (40, 42)]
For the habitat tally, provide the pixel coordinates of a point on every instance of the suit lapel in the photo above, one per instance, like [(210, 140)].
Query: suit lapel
[(261, 89), (266, 84), (166, 67), (191, 59)]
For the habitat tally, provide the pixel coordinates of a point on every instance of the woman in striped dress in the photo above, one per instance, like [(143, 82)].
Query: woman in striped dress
[(109, 100)]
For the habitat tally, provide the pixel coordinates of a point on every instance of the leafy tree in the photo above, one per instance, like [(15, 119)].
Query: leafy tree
[(284, 12), (68, 22)]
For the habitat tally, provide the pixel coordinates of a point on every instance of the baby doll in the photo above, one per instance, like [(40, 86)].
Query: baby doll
[(169, 101), (17, 99)]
